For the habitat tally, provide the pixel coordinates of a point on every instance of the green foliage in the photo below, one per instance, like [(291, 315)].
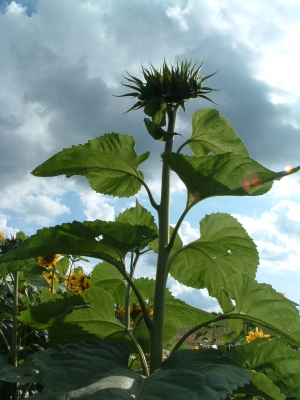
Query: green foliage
[(224, 248), (259, 302), (271, 360), (107, 277), (101, 372), (83, 323), (108, 162), (226, 174), (40, 316), (99, 239), (137, 215), (212, 133)]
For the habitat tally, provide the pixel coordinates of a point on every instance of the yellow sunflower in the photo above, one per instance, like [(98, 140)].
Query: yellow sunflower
[(49, 260), (256, 335), (1, 236), (78, 283), (48, 278)]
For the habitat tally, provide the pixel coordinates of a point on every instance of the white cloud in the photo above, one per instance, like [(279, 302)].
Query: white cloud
[(187, 233), (276, 233), (288, 187), (8, 231), (177, 14), (37, 199), (15, 8), (196, 297), (96, 206), (42, 209)]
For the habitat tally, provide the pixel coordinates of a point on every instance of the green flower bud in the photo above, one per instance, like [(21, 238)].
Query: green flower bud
[(172, 85)]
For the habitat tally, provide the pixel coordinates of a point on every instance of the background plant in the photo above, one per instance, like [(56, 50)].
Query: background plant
[(224, 260)]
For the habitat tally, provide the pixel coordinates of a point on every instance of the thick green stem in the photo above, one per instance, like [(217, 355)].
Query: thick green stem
[(133, 263), (14, 340), (156, 333), (53, 279), (127, 298)]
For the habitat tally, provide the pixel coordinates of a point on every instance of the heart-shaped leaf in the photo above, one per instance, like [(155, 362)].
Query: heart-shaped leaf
[(213, 134), (109, 162), (227, 174), (224, 248)]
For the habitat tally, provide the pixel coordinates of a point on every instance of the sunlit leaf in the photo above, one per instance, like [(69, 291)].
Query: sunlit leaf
[(16, 265), (109, 162), (107, 277), (262, 387), (224, 248), (97, 321), (137, 215), (63, 265), (214, 134), (259, 302), (227, 174), (184, 315), (39, 316), (276, 360)]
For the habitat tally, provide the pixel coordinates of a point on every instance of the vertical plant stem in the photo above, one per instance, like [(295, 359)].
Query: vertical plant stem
[(53, 280), (127, 295), (14, 340), (156, 333)]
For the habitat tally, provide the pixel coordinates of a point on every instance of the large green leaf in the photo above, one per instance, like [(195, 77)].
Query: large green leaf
[(276, 360), (70, 368), (262, 387), (97, 321), (107, 277), (177, 311), (227, 174), (99, 239), (213, 134), (22, 374), (184, 315), (39, 316), (137, 215), (63, 265), (98, 370), (12, 266), (196, 374), (260, 303), (109, 162), (224, 248)]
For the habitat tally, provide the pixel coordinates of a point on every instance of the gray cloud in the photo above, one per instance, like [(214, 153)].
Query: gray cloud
[(59, 83)]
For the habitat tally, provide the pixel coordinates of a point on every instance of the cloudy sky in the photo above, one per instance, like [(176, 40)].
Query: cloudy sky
[(61, 65)]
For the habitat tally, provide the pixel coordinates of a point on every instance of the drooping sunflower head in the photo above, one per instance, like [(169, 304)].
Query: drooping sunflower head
[(49, 260), (173, 85)]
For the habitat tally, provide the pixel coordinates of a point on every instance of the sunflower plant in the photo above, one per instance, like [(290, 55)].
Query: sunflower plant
[(119, 334)]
